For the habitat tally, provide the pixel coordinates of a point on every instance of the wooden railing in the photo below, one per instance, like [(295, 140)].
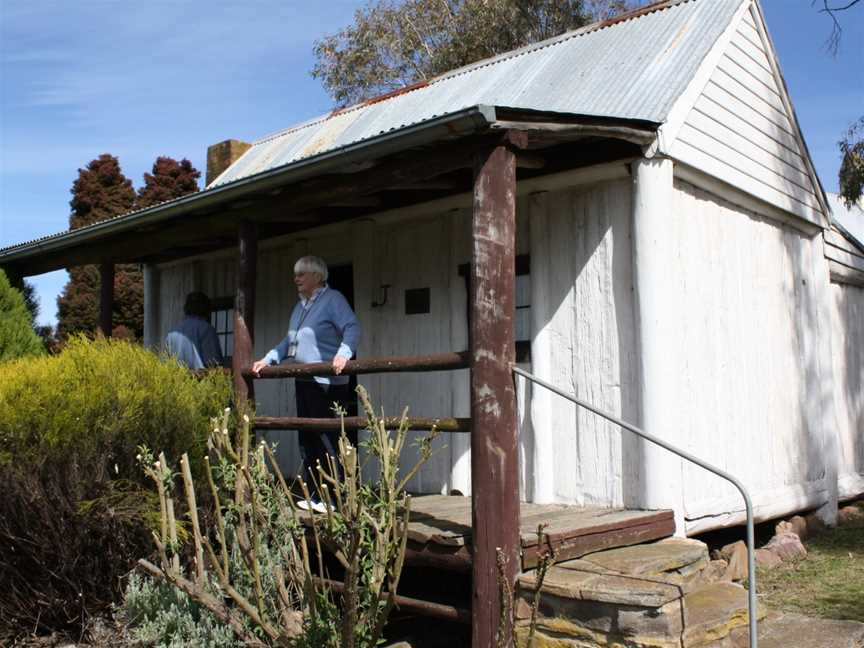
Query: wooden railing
[(417, 363), (390, 364), (359, 423)]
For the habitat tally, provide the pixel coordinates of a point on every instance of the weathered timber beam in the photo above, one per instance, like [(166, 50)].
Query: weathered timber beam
[(436, 556), (570, 132), (130, 247), (429, 185), (530, 161), (360, 423), (414, 170), (106, 297), (412, 605), (360, 201), (432, 362)]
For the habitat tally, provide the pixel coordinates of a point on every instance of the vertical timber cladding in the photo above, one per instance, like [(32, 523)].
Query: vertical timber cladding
[(244, 310), (494, 444), (106, 297)]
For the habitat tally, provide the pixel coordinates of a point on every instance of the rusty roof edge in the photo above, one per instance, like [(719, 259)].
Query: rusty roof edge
[(470, 120)]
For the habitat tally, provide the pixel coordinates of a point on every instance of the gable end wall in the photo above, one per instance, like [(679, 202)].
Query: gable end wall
[(740, 131)]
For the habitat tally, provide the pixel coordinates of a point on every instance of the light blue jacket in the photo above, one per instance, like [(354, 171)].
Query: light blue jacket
[(322, 327), (195, 344)]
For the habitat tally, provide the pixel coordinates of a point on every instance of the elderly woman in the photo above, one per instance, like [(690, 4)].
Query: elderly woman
[(322, 328)]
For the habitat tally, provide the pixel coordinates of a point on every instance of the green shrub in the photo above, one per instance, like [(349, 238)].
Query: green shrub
[(74, 504), (17, 338)]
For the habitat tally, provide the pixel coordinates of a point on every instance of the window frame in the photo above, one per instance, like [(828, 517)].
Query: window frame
[(219, 305)]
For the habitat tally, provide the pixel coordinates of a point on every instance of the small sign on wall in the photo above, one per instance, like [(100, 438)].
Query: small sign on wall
[(417, 301)]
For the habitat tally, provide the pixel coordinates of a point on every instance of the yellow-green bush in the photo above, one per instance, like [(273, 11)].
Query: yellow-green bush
[(73, 501), (104, 395)]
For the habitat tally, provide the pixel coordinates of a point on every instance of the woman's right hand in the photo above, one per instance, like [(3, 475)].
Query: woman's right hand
[(257, 366)]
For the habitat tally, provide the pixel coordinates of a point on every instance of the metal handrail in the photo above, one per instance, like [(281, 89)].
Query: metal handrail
[(751, 559)]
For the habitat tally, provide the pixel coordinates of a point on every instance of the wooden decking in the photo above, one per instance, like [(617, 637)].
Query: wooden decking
[(439, 531)]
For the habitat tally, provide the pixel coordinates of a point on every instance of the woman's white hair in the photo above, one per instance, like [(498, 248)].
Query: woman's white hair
[(312, 264)]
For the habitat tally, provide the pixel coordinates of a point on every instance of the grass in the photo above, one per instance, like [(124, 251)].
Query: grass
[(827, 583)]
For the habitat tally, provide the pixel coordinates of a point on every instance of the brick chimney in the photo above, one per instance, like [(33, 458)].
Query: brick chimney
[(222, 155)]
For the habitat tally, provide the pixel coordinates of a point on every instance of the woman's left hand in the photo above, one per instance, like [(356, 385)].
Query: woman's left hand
[(339, 363)]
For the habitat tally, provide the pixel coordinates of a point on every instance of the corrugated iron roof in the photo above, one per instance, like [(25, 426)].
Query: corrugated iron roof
[(633, 67)]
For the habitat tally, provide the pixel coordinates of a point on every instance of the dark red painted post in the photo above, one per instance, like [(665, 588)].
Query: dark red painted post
[(494, 450), (106, 297), (244, 310)]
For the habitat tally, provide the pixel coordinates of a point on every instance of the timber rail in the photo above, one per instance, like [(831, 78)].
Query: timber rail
[(391, 364), (360, 423)]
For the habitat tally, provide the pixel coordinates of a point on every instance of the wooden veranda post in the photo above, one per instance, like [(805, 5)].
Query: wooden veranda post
[(106, 297), (244, 311), (494, 450)]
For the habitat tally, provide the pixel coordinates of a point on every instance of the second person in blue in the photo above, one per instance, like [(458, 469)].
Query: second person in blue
[(322, 328)]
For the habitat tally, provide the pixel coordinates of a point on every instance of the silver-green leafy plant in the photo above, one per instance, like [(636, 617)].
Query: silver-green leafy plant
[(259, 568)]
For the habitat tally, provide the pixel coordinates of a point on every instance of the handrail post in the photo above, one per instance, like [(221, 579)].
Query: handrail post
[(748, 505)]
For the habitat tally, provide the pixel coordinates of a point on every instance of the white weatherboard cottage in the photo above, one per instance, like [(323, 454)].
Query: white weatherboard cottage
[(694, 286)]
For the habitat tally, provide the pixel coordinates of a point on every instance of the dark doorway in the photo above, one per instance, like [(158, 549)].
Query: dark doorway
[(341, 278)]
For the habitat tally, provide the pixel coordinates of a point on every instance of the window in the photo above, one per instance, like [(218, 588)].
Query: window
[(522, 319), (222, 319)]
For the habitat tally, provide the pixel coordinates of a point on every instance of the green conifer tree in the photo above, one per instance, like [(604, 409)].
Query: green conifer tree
[(17, 338)]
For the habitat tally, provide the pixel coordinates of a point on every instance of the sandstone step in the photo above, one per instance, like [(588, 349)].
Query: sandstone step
[(647, 596), (673, 560)]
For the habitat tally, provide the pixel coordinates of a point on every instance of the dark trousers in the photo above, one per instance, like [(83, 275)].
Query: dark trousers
[(315, 400)]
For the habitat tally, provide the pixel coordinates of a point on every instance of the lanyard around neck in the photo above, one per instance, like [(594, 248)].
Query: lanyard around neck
[(310, 305)]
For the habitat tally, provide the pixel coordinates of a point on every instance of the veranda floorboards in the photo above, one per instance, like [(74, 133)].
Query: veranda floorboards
[(439, 531)]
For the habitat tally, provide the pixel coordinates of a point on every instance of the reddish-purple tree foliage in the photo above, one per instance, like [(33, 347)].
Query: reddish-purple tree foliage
[(100, 192), (170, 179)]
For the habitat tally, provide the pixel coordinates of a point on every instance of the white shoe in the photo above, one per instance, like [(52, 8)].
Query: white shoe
[(320, 507), (315, 506)]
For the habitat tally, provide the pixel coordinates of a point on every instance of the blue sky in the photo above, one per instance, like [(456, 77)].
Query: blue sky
[(140, 80)]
